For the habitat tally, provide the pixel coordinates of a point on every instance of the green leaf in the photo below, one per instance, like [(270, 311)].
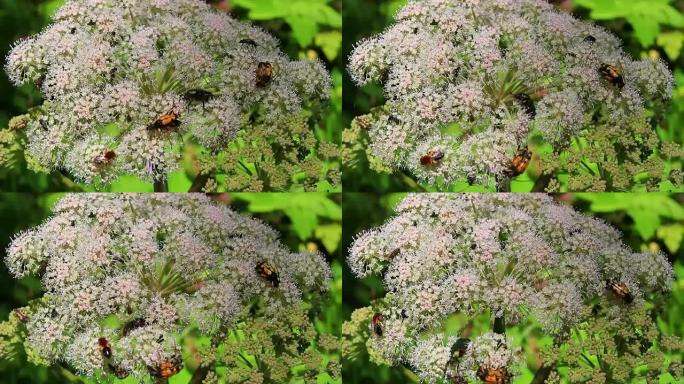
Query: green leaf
[(646, 209), (330, 43), (672, 43), (645, 222), (672, 236), (182, 377), (645, 16), (645, 29), (523, 183), (130, 184), (303, 209), (303, 16), (330, 235), (303, 221), (303, 30), (179, 181)]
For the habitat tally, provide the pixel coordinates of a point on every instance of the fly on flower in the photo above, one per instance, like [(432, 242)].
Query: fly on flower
[(133, 325), (105, 157), (432, 157), (376, 324), (166, 368), (621, 290), (264, 74), (21, 314), (519, 163), (249, 42), (105, 347), (198, 95), (459, 348), (268, 272), (494, 375), (613, 75), (527, 104), (165, 121), (118, 371)]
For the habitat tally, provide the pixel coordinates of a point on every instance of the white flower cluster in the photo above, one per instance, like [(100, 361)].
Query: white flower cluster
[(123, 274), (468, 82), (513, 257), (127, 83)]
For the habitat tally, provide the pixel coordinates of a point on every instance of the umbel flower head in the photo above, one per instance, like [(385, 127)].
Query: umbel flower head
[(468, 83), (124, 274), (128, 83), (513, 257)]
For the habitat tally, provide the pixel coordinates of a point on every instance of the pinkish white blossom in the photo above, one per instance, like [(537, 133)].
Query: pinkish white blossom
[(478, 79), (109, 69), (136, 269), (517, 258)]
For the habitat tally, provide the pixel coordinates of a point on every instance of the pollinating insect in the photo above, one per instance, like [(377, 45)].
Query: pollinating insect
[(165, 121), (590, 39), (119, 372), (519, 163), (621, 290), (198, 95), (527, 104), (105, 347), (166, 369), (432, 157), (493, 375), (459, 349), (376, 324), (21, 314), (133, 325), (613, 75), (105, 157), (268, 272), (264, 74), (249, 42)]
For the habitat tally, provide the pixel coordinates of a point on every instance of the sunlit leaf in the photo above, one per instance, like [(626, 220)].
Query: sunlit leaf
[(672, 43), (330, 43), (645, 16), (672, 236), (303, 16), (330, 235)]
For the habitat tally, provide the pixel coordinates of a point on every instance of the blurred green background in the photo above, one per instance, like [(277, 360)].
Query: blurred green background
[(306, 29), (647, 221), (310, 221), (648, 28)]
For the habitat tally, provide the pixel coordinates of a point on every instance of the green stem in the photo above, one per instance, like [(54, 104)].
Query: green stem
[(240, 355), (587, 360), (499, 325), (69, 375), (68, 183), (503, 185), (412, 183), (199, 182), (245, 167), (584, 163), (542, 183), (542, 374), (161, 380), (200, 374), (161, 185)]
